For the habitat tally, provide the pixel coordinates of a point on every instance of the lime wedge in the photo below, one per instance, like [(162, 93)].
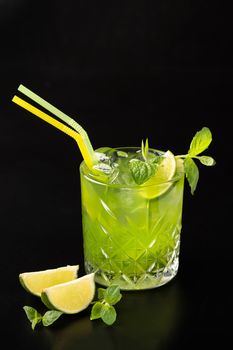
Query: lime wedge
[(35, 282), (70, 297), (161, 181)]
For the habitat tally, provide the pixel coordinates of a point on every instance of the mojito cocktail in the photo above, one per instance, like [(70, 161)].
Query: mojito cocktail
[(131, 203), (131, 232)]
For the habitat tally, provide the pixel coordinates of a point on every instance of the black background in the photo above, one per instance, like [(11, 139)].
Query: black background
[(125, 70)]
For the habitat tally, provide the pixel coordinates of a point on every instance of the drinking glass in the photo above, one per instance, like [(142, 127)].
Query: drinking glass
[(131, 233)]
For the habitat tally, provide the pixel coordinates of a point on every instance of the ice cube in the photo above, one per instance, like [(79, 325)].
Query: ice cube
[(106, 168)]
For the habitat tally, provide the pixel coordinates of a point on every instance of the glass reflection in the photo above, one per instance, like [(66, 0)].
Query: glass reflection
[(146, 320)]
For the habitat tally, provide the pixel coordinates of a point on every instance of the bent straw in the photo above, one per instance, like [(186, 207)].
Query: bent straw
[(58, 113), (77, 137)]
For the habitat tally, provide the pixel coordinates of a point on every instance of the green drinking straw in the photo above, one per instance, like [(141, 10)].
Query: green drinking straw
[(64, 128), (58, 113)]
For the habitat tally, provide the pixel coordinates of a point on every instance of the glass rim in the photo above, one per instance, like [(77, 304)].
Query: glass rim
[(135, 186)]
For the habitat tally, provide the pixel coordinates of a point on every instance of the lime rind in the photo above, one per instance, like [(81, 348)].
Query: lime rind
[(34, 282), (45, 300), (70, 297), (158, 184)]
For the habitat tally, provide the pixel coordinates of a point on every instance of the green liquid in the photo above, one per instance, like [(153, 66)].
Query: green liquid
[(130, 239)]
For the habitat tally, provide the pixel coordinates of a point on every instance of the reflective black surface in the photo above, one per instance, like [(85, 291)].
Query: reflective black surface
[(125, 70)]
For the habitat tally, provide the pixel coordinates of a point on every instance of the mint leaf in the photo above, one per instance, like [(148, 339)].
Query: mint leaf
[(145, 149), (109, 314), (112, 295), (192, 173), (33, 315), (101, 293), (34, 322), (141, 171), (155, 160), (200, 141), (97, 310), (122, 154), (104, 311), (104, 308), (30, 312), (50, 317), (206, 160)]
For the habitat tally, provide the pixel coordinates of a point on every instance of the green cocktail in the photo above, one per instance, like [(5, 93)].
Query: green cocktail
[(131, 232), (131, 203)]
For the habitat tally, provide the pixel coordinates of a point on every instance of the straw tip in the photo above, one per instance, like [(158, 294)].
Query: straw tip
[(20, 87)]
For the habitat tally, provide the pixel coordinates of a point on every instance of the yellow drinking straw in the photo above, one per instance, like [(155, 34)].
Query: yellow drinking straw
[(75, 135)]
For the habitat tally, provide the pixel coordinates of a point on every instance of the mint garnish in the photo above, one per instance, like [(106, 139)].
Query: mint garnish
[(122, 154), (206, 160), (191, 172), (111, 295), (108, 314), (141, 170), (199, 143), (145, 149), (103, 308), (50, 317), (35, 317)]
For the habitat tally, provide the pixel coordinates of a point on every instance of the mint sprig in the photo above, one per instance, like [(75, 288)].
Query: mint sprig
[(35, 317), (143, 170), (145, 149), (103, 308), (200, 142)]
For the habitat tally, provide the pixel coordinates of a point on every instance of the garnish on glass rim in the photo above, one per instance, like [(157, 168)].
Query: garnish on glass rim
[(199, 143), (141, 170), (144, 170)]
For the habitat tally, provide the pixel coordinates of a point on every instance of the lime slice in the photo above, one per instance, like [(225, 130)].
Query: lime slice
[(161, 181), (35, 282), (70, 297)]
